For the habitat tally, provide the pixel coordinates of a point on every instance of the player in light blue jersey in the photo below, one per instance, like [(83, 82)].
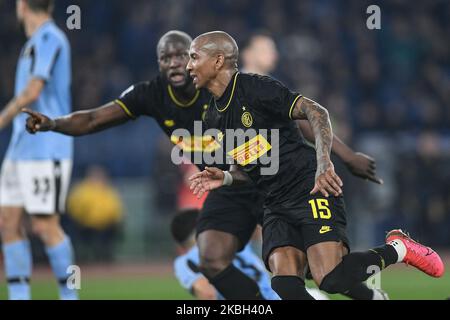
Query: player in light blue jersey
[(186, 265), (36, 171)]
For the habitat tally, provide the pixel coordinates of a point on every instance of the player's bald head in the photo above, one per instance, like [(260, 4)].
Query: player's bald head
[(174, 36), (219, 42)]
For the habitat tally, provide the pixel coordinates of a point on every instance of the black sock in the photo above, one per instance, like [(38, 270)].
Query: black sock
[(232, 284), (290, 288), (356, 268), (360, 292), (387, 254)]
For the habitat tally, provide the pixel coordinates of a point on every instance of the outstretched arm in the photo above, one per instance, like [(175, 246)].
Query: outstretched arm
[(29, 95), (327, 181), (359, 164), (78, 123), (214, 178)]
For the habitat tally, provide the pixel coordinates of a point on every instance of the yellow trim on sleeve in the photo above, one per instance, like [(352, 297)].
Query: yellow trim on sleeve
[(231, 97), (124, 107), (293, 105), (178, 103)]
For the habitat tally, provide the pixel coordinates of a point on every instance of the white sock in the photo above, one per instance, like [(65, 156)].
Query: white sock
[(399, 246), (379, 295)]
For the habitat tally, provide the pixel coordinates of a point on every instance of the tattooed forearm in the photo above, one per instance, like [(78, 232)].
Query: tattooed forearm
[(321, 125)]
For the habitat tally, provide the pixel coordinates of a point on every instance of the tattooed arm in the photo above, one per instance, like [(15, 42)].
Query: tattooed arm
[(359, 164), (327, 181)]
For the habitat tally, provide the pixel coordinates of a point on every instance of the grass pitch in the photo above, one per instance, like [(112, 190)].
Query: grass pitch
[(400, 282)]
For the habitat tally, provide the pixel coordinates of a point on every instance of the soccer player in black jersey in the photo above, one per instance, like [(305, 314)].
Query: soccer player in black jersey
[(304, 213), (171, 99)]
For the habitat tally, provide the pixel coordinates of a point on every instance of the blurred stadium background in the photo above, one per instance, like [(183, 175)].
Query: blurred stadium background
[(387, 91)]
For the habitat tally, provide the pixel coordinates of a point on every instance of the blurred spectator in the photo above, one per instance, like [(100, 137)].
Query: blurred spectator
[(166, 179), (259, 55), (96, 208), (186, 199)]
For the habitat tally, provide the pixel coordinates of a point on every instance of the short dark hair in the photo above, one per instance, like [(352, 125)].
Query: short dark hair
[(183, 224), (41, 5)]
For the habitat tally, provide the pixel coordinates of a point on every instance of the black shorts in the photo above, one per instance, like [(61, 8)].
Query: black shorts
[(234, 210), (313, 220)]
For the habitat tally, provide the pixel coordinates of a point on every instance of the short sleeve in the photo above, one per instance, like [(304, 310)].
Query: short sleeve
[(47, 49), (140, 99), (271, 95)]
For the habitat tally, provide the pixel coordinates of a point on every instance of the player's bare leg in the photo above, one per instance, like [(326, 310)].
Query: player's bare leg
[(48, 229), (323, 258), (217, 251), (17, 253), (287, 265), (11, 227)]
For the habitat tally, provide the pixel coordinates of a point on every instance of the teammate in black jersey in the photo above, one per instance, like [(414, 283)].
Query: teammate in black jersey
[(304, 213), (229, 215)]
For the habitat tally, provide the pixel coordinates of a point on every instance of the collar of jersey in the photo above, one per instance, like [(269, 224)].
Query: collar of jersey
[(42, 27), (179, 103), (231, 95)]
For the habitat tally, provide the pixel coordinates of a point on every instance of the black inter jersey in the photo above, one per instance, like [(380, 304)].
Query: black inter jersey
[(156, 99), (262, 108)]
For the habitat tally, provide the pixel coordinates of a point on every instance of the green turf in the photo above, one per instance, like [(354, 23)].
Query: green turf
[(133, 288), (401, 283)]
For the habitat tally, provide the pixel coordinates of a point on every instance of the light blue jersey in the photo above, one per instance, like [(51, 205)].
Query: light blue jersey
[(46, 56), (187, 272)]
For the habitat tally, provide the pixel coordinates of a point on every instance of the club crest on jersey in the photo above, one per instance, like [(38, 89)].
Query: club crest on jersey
[(247, 119)]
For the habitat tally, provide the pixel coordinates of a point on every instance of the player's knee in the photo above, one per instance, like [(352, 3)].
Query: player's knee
[(39, 228), (212, 262), (48, 230), (212, 265), (217, 252), (10, 226)]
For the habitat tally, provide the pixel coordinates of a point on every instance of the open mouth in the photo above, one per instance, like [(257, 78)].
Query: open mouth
[(177, 77), (194, 78)]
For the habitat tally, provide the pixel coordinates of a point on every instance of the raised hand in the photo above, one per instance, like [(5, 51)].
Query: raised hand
[(327, 181), (38, 122), (208, 179), (363, 166)]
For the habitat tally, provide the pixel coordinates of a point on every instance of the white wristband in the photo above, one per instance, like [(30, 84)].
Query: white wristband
[(227, 178)]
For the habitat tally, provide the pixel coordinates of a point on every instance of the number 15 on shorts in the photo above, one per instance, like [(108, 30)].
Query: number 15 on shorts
[(320, 208)]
